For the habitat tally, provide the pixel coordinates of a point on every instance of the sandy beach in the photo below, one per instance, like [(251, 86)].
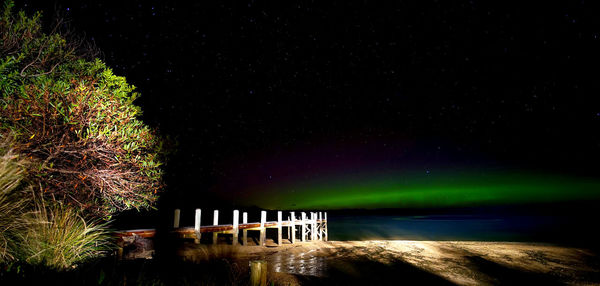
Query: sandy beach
[(413, 262)]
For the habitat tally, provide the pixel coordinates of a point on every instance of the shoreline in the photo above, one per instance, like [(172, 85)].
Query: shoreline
[(455, 262)]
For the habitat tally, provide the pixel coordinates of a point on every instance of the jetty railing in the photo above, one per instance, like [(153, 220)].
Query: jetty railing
[(302, 227)]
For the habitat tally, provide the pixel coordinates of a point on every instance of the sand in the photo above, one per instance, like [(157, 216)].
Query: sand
[(414, 262)]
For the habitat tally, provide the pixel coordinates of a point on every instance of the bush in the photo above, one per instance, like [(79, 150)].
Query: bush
[(59, 238), (76, 124), (53, 236), (76, 120), (12, 200)]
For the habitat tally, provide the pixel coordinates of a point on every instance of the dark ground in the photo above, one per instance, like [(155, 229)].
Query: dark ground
[(338, 263)]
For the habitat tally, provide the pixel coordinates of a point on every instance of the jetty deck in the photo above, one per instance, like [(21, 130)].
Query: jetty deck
[(302, 228)]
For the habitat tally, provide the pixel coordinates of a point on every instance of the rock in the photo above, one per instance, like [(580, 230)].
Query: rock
[(137, 247)]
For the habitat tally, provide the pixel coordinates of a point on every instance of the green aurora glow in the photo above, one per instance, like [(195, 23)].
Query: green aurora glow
[(412, 190)]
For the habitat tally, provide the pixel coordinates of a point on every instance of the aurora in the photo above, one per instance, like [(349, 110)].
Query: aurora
[(410, 189)]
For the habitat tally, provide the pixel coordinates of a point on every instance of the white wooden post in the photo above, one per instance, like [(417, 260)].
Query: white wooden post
[(303, 236), (326, 231), (197, 226), (263, 233), (279, 228), (176, 219), (245, 231), (320, 226), (293, 227), (289, 230), (215, 222), (313, 225), (310, 226), (236, 225), (316, 222)]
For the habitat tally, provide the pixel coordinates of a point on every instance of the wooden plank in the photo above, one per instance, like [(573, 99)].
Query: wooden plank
[(224, 228), (250, 226), (149, 232), (316, 226), (273, 224)]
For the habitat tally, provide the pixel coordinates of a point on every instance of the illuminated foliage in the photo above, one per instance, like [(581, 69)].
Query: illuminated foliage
[(13, 202), (58, 237), (76, 120)]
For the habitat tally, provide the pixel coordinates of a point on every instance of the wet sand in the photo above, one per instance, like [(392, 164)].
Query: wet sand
[(414, 262)]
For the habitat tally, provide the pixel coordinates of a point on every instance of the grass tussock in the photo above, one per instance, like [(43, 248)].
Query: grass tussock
[(13, 202), (58, 237), (38, 232)]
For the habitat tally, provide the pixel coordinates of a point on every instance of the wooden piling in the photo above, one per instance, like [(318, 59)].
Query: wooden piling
[(315, 235), (313, 230), (303, 235), (316, 222), (289, 229), (263, 232), (293, 227), (197, 226), (320, 226), (176, 218), (310, 227), (279, 228), (326, 231), (258, 273), (236, 225), (215, 222), (245, 231)]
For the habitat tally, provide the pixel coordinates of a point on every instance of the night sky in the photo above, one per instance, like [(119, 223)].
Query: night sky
[(286, 100)]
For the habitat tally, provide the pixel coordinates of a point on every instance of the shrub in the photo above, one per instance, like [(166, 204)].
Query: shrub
[(55, 236), (12, 201), (58, 237), (76, 119)]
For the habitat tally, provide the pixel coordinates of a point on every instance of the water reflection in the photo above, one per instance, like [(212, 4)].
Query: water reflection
[(303, 264)]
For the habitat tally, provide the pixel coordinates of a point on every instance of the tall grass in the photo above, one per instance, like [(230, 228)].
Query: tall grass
[(12, 199), (59, 238), (39, 232)]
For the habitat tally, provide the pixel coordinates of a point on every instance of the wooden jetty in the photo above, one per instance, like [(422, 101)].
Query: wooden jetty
[(305, 228)]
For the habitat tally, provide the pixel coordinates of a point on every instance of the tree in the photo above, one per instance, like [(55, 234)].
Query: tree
[(76, 120)]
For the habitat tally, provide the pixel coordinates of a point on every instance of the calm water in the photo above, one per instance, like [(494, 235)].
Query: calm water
[(573, 223), (562, 226)]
